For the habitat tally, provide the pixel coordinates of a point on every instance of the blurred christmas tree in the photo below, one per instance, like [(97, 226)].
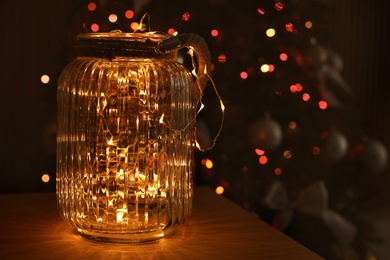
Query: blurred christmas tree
[(291, 150)]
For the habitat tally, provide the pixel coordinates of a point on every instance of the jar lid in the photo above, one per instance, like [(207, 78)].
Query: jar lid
[(117, 43)]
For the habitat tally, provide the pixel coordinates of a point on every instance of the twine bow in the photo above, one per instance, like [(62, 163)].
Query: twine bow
[(313, 200)]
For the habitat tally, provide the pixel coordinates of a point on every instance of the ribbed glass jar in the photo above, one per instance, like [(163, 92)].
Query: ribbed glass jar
[(125, 139)]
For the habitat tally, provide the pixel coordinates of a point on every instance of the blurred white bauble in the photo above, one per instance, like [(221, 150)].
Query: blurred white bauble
[(265, 134), (336, 145), (374, 156)]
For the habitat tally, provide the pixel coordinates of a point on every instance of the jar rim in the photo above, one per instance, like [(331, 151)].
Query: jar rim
[(124, 36)]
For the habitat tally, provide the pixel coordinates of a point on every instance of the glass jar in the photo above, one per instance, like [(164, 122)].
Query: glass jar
[(126, 135)]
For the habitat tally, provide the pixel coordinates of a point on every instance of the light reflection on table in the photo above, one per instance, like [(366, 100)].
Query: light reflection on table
[(31, 228)]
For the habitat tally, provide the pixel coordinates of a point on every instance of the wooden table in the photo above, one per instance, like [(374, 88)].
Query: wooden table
[(31, 228)]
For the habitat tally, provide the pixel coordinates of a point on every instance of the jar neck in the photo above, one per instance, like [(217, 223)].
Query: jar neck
[(115, 47)]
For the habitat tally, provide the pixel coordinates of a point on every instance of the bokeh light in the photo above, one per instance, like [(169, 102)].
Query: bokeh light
[(322, 104), (287, 154), (308, 25), (94, 27), (278, 171), (214, 33), (219, 190), (222, 58), (283, 57), (45, 79), (243, 75), (45, 177), (91, 6), (264, 68), (305, 97), (263, 159), (270, 32), (259, 151), (186, 16), (129, 14), (113, 18)]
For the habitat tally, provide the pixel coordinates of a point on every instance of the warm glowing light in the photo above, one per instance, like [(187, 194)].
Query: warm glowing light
[(287, 154), (278, 6), (129, 14), (259, 151), (271, 67), (299, 87), (313, 41), (289, 27), (45, 177), (91, 6), (45, 79), (219, 190), (113, 18), (292, 125), (134, 26), (260, 11), (305, 97), (186, 16), (278, 171), (263, 159), (243, 75), (322, 104), (208, 163), (308, 24), (293, 88), (222, 58), (316, 150), (172, 31), (264, 68), (270, 32), (214, 32), (283, 57), (95, 27)]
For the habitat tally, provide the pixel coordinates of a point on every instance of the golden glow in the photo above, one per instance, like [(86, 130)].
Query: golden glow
[(270, 32), (45, 177), (264, 68), (292, 125), (263, 159), (278, 171), (308, 25), (287, 154), (113, 18), (313, 41), (45, 79), (161, 119), (208, 163), (134, 26), (219, 190)]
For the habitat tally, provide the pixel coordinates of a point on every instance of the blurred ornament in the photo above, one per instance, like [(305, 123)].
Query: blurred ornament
[(374, 156), (265, 134), (336, 145), (335, 61), (315, 57)]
